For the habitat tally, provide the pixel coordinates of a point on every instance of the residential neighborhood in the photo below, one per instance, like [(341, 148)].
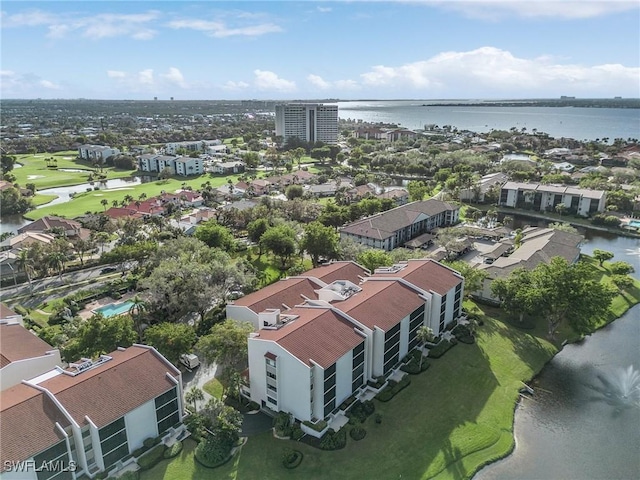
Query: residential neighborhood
[(281, 282)]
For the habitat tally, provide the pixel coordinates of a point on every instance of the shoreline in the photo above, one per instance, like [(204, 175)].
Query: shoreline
[(568, 341)]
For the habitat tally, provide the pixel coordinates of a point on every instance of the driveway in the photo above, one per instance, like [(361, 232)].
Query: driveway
[(197, 378)]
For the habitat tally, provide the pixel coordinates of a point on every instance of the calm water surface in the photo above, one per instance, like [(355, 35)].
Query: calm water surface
[(570, 122), (578, 425)]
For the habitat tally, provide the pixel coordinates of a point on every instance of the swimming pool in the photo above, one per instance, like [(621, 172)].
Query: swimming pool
[(634, 223), (113, 309)]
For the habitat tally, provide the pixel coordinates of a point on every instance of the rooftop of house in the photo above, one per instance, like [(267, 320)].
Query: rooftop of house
[(284, 294), (384, 225), (6, 312), (49, 223), (317, 334), (427, 275), (18, 343), (103, 393), (27, 237), (34, 415), (341, 270), (538, 245), (584, 192), (381, 303)]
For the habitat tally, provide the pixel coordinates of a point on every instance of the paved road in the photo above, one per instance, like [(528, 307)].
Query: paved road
[(88, 275), (197, 378)]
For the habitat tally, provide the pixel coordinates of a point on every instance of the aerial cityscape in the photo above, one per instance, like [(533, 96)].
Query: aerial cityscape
[(270, 239)]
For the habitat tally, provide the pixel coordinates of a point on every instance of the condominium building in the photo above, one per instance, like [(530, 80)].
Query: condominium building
[(88, 418), (395, 227), (321, 336), (536, 196), (310, 122), (183, 166)]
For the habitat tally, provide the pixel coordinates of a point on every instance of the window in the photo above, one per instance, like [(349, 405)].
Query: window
[(58, 459), (167, 410), (113, 442)]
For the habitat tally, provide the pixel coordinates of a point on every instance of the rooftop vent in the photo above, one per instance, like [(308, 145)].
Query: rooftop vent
[(86, 364)]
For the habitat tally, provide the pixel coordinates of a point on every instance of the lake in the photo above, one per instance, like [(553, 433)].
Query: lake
[(581, 123), (578, 425)]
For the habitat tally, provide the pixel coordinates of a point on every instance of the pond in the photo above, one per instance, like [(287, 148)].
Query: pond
[(582, 421)]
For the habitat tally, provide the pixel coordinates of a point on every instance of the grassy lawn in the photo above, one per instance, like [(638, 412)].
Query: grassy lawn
[(451, 419), (90, 201), (34, 170), (213, 387)]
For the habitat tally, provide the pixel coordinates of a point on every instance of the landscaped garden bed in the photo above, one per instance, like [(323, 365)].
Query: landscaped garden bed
[(442, 347)]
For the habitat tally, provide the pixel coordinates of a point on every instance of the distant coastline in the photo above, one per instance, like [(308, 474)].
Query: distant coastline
[(560, 102)]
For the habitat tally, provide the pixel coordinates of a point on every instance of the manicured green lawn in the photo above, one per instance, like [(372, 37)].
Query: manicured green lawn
[(90, 201), (453, 418), (34, 170), (213, 387)]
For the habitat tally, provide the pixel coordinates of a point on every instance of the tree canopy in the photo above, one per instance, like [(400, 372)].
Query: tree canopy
[(226, 344), (215, 235), (281, 241), (171, 339), (558, 291), (320, 241), (374, 258)]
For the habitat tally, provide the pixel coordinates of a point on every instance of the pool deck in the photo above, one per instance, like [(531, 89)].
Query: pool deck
[(88, 310)]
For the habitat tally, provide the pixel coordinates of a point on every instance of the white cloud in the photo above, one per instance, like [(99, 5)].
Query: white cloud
[(144, 79), (29, 85), (219, 29), (104, 25), (490, 69), (324, 9), (318, 81), (231, 85), (50, 85), (498, 9), (174, 76), (265, 80)]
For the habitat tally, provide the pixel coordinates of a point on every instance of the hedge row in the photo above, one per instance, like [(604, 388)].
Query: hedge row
[(152, 457), (393, 388), (441, 348)]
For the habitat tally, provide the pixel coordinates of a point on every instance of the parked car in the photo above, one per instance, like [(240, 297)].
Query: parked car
[(190, 360)]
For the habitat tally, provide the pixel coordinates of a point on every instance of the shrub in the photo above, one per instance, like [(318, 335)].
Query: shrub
[(358, 433), (296, 432), (318, 427), (441, 348), (149, 442), (282, 424), (333, 440), (130, 475), (291, 458), (360, 411), (151, 458), (393, 388), (378, 418), (215, 449), (174, 450), (139, 451)]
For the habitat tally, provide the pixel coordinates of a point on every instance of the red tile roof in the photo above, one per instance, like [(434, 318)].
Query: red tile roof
[(133, 377), (6, 312), (18, 343), (288, 291), (428, 275), (28, 423), (338, 271), (381, 303), (318, 334)]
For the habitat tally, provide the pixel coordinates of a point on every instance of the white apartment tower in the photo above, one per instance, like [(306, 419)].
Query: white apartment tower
[(311, 122)]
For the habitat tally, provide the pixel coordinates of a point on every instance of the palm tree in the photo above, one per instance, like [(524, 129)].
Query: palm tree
[(104, 202), (136, 311), (424, 335), (24, 263), (56, 261), (194, 395)]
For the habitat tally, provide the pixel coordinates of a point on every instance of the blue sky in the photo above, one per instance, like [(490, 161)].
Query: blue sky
[(302, 50)]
